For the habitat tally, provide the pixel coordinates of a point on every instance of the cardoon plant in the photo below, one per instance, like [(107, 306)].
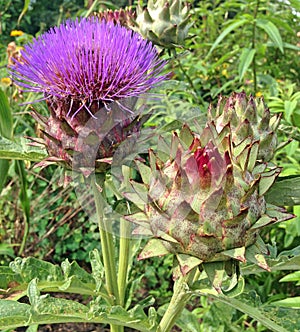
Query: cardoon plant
[(200, 197)]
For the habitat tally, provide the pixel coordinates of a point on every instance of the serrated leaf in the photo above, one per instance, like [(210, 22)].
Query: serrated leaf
[(73, 269), (21, 150), (30, 268), (281, 263), (272, 31), (50, 278), (97, 268), (57, 308), (13, 314), (45, 309), (285, 263), (268, 316), (75, 285), (246, 59), (8, 277)]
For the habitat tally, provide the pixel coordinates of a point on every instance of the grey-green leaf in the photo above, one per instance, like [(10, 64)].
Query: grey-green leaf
[(22, 150), (13, 314), (272, 319)]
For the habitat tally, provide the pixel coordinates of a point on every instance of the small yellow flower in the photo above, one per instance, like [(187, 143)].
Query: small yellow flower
[(6, 81), (225, 73), (16, 33), (258, 94)]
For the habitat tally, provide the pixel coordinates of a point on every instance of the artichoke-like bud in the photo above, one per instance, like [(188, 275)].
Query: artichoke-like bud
[(248, 117), (124, 17), (202, 199), (165, 23), (81, 144)]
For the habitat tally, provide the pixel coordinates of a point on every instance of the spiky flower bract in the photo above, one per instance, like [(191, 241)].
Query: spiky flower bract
[(120, 16), (82, 68)]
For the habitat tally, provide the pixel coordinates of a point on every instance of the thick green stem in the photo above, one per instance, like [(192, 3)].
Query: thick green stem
[(108, 251), (116, 328), (124, 256), (178, 302), (24, 202)]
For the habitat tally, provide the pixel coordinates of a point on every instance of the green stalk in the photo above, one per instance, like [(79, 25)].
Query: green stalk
[(108, 251), (124, 256), (25, 203), (180, 297)]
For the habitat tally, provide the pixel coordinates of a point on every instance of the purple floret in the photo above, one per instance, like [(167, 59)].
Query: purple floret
[(89, 60)]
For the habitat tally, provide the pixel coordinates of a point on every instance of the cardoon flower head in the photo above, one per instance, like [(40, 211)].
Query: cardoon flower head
[(87, 61), (88, 69)]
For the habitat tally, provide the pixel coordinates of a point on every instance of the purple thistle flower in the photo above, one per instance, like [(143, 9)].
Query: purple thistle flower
[(87, 61)]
